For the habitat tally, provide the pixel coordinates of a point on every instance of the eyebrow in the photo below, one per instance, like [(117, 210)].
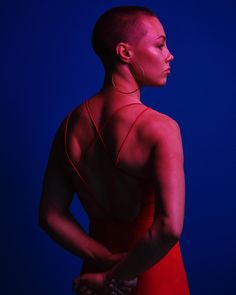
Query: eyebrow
[(162, 36)]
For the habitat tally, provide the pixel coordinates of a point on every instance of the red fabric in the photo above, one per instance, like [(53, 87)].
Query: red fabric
[(167, 277)]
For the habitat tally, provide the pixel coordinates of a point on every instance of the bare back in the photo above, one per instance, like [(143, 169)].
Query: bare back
[(109, 148)]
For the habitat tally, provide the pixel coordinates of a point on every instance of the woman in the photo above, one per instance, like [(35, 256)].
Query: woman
[(125, 161)]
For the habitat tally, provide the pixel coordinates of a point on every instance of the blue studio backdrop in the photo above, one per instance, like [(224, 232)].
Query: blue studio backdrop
[(48, 68)]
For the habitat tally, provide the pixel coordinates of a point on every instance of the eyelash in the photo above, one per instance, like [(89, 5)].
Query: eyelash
[(160, 46)]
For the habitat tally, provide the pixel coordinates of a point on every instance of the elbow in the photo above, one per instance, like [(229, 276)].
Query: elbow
[(172, 228), (170, 236), (49, 219), (166, 231), (175, 235), (45, 219), (173, 232)]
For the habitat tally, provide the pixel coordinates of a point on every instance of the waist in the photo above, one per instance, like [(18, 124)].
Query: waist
[(145, 216), (118, 235), (118, 222)]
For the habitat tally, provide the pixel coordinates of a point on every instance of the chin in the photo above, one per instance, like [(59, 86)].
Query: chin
[(163, 83), (159, 83)]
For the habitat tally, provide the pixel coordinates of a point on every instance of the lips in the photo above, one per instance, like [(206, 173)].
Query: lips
[(167, 71)]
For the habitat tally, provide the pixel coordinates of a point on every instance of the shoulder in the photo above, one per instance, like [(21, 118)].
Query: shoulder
[(158, 126), (164, 138), (74, 118), (66, 128)]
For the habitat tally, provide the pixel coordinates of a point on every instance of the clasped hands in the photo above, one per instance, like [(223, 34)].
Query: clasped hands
[(102, 283)]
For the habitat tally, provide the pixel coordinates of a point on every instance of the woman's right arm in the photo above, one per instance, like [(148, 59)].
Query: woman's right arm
[(55, 217), (54, 210), (168, 176)]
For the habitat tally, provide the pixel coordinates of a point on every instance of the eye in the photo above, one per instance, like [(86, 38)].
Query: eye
[(160, 46)]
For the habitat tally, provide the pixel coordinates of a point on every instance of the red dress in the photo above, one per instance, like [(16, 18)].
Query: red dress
[(168, 276)]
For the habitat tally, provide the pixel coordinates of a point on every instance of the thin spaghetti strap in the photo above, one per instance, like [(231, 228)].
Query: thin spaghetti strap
[(76, 170), (94, 124), (132, 125), (106, 122), (67, 154)]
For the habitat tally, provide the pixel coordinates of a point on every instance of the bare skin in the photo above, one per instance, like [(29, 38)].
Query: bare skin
[(154, 158)]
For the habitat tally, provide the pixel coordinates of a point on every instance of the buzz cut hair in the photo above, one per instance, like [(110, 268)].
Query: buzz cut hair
[(118, 24)]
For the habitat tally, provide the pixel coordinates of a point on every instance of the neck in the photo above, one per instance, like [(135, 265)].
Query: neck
[(122, 83)]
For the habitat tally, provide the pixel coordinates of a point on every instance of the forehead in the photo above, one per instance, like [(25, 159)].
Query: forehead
[(153, 27)]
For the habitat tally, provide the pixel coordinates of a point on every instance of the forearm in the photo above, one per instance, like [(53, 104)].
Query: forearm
[(64, 229), (144, 254)]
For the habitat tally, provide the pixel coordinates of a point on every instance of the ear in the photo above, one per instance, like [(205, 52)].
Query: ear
[(124, 52)]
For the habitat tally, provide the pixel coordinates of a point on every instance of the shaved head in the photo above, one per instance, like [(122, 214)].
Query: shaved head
[(119, 24)]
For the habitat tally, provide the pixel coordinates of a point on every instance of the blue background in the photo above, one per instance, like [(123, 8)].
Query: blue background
[(48, 67)]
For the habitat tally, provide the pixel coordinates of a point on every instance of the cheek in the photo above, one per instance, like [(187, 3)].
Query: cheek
[(154, 56), (153, 61), (147, 53)]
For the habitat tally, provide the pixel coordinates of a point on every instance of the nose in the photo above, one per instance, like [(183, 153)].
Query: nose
[(169, 56)]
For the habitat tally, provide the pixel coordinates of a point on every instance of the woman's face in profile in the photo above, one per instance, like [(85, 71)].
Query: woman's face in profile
[(152, 54)]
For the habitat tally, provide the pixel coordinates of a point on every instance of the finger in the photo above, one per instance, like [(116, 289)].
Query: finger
[(132, 282), (125, 288), (127, 283), (116, 286), (120, 290)]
